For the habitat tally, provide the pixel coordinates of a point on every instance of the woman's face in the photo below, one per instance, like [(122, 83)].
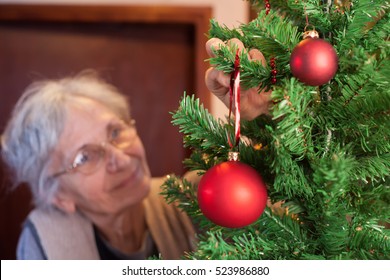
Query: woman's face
[(121, 180)]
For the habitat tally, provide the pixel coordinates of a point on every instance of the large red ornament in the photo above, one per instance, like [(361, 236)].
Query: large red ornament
[(314, 61), (232, 194)]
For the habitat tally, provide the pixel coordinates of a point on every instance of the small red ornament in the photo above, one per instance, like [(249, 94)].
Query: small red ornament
[(232, 194), (314, 61)]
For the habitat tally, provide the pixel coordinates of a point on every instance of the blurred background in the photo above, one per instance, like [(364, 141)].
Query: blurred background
[(152, 50)]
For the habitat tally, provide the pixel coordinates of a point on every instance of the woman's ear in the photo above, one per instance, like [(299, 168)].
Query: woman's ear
[(64, 202)]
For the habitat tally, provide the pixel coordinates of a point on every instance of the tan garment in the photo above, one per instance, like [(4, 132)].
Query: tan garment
[(71, 237)]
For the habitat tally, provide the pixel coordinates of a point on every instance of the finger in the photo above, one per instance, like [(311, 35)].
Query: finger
[(257, 55), (217, 82), (212, 45), (235, 43)]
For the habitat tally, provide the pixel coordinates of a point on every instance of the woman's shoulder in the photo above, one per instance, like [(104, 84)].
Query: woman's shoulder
[(56, 231), (29, 244)]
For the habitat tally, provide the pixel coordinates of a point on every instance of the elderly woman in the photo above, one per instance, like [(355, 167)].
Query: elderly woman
[(74, 142)]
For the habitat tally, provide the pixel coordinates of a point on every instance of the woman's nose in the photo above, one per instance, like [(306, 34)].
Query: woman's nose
[(117, 160)]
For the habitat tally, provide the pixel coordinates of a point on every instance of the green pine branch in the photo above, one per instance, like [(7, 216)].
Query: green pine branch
[(207, 137), (272, 237), (362, 12), (270, 34), (369, 240), (324, 152), (183, 194)]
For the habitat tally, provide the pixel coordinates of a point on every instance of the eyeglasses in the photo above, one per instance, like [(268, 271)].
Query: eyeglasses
[(88, 158)]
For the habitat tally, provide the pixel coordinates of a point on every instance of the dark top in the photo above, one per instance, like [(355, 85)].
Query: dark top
[(107, 252)]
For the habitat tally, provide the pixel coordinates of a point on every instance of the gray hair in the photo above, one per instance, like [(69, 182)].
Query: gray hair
[(36, 124)]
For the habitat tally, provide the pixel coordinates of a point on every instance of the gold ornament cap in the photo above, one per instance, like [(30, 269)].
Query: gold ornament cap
[(310, 33), (233, 156)]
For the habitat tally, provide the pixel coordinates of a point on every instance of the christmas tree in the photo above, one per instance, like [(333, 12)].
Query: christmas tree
[(323, 152)]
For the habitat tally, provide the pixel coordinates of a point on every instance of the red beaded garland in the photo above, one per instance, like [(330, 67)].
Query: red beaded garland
[(273, 71), (267, 7)]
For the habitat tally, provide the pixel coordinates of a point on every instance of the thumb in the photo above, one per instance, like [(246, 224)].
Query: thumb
[(217, 82)]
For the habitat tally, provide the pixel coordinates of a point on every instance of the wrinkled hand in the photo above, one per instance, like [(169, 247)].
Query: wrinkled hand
[(252, 103)]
